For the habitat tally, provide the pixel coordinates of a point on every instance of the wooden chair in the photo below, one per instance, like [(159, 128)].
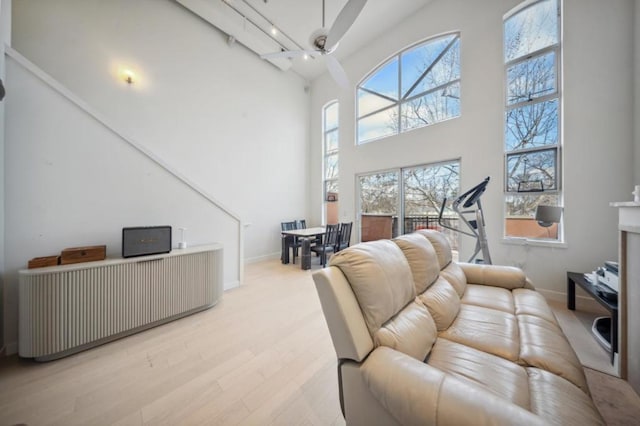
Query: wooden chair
[(328, 244), (296, 244), (287, 240), (344, 236)]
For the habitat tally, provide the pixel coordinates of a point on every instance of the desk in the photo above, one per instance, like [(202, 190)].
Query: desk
[(304, 235), (574, 278)]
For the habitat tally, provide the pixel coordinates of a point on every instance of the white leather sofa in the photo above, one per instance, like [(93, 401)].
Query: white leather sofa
[(422, 340)]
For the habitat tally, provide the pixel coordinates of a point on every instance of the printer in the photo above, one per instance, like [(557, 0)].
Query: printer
[(608, 275)]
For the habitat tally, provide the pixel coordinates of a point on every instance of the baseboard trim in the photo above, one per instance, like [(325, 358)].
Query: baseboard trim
[(257, 259), (231, 284)]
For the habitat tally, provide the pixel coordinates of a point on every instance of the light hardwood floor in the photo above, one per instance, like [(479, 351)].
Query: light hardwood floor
[(262, 356)]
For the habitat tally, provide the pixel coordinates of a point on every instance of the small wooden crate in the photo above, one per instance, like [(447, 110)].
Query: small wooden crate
[(82, 254), (41, 262)]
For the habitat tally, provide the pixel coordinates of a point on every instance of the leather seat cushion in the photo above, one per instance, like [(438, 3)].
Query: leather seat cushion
[(422, 259), (485, 329), (411, 332), (489, 297), (559, 401), (504, 378), (530, 302), (380, 278), (454, 274), (443, 303), (543, 345), (440, 243)]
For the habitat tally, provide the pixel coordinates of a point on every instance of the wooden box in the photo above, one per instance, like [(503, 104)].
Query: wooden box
[(41, 262), (82, 254)]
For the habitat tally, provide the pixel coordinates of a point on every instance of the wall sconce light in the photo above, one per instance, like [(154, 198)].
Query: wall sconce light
[(129, 76)]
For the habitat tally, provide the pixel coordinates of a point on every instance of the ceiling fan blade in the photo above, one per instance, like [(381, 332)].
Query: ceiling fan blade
[(289, 54), (343, 22), (337, 72)]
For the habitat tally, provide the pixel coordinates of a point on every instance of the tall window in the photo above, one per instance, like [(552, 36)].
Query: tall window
[(532, 117), (417, 87), (330, 164)]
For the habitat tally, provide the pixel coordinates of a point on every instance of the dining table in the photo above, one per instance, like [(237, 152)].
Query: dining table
[(304, 236)]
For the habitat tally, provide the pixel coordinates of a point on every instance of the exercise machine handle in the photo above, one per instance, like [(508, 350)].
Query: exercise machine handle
[(472, 195)]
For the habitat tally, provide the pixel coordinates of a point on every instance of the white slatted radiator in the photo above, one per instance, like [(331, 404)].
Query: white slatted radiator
[(66, 309)]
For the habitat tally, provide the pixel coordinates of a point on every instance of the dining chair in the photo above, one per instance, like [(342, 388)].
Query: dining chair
[(328, 244), (344, 236), (287, 240), (296, 244)]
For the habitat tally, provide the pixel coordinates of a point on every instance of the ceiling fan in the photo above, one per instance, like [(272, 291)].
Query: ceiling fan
[(325, 42)]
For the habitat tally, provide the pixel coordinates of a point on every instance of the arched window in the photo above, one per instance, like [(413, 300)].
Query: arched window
[(416, 87), (532, 137)]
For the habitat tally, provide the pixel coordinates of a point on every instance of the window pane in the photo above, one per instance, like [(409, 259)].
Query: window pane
[(520, 216), (531, 29), (385, 80), (379, 193), (531, 79), (532, 126), (368, 102), (331, 141), (536, 166), (378, 125), (330, 186), (331, 117), (331, 166), (431, 108), (417, 61)]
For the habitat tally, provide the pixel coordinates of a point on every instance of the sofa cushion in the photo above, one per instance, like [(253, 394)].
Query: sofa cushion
[(530, 302), (456, 277), (412, 332), (443, 303), (440, 243), (489, 297), (380, 278), (504, 378), (560, 402), (544, 345), (422, 259), (488, 330)]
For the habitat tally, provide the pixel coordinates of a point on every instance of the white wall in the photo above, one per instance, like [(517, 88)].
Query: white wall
[(5, 38), (598, 126), (230, 122), (636, 73), (217, 114)]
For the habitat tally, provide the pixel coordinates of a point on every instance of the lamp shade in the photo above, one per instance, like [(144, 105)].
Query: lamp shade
[(548, 215)]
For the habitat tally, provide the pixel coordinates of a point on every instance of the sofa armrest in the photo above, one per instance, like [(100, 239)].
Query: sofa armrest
[(417, 394), (508, 277), (349, 332)]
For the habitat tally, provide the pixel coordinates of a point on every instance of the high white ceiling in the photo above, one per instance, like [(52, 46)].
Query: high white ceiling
[(298, 19)]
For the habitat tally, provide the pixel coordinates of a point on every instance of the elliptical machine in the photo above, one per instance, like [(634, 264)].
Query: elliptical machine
[(470, 202)]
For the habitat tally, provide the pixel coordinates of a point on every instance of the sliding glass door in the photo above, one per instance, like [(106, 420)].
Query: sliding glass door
[(400, 201)]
